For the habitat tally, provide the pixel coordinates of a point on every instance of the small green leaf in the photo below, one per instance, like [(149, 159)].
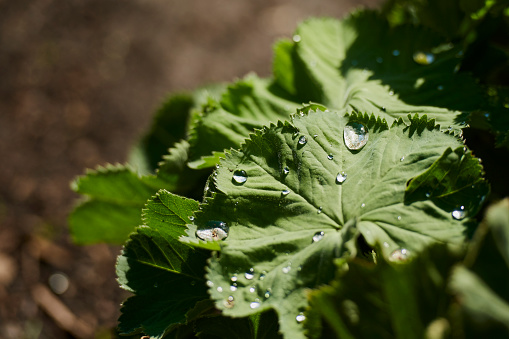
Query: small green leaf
[(296, 197), (166, 276), (116, 195)]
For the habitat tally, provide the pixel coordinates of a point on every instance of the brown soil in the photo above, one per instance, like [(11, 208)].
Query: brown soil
[(78, 83)]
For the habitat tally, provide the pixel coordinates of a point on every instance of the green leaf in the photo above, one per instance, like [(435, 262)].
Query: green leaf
[(480, 286), (454, 177), (169, 126), (166, 276), (260, 326), (361, 64), (292, 193), (246, 105), (383, 300), (116, 195)]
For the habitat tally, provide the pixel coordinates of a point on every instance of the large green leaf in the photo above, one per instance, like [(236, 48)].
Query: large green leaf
[(361, 64), (383, 300), (116, 195), (166, 276), (275, 248)]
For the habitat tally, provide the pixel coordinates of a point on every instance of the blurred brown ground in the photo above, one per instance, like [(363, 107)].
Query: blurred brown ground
[(78, 83)]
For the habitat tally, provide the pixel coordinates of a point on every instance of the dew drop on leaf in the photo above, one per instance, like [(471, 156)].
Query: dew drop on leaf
[(424, 58), (254, 304), (210, 283), (391, 93), (363, 205), (252, 289), (286, 269), (330, 156), (228, 303), (286, 170), (296, 38), (340, 178), (319, 210), (219, 289), (300, 317), (459, 213), (402, 158), (249, 274), (191, 218), (386, 244), (216, 230), (302, 140), (399, 255), (428, 194), (267, 294), (239, 176), (318, 236), (284, 193), (234, 278), (356, 136), (395, 52), (262, 276), (399, 217), (233, 288)]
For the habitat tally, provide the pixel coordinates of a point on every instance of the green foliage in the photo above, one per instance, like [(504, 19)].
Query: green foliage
[(338, 198)]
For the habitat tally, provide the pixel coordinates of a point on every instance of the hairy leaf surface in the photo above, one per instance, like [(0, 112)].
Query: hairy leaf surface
[(275, 248)]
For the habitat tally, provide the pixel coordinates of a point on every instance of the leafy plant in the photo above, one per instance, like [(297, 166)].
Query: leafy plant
[(355, 214)]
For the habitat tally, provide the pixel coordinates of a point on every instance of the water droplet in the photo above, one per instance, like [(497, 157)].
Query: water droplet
[(395, 52), (401, 254), (399, 217), (234, 278), (252, 289), (262, 276), (286, 170), (316, 135), (386, 244), (340, 178), (318, 236), (302, 140), (459, 213), (219, 289), (363, 205), (191, 218), (383, 109), (217, 230), (209, 283), (440, 87), (300, 317), (319, 210), (296, 38), (239, 176), (356, 136), (428, 195), (402, 158), (330, 156), (286, 269), (249, 274), (229, 303), (391, 92), (424, 58), (233, 287), (267, 294), (379, 60), (254, 304), (449, 128), (284, 193)]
